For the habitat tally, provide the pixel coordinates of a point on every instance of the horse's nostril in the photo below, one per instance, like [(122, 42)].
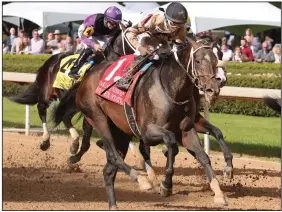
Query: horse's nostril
[(209, 90), (218, 79)]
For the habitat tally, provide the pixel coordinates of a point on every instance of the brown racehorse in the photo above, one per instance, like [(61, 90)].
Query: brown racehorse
[(165, 108), (42, 92)]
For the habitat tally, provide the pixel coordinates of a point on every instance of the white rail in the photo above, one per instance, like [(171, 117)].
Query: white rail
[(227, 92)]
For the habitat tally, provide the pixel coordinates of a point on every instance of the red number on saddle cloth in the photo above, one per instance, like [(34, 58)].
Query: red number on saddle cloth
[(113, 73)]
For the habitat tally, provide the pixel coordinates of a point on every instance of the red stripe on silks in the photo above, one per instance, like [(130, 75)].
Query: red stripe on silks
[(144, 21)]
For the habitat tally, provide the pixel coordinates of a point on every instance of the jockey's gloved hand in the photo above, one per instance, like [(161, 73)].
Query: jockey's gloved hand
[(98, 47), (143, 51), (126, 23)]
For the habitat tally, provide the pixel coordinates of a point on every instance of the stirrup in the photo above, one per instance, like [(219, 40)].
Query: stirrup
[(73, 75), (124, 83), (124, 87)]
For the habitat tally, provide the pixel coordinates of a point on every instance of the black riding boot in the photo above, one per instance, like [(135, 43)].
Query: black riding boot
[(125, 82), (79, 62)]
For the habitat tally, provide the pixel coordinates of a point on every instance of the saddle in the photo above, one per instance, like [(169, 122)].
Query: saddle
[(63, 81), (113, 73)]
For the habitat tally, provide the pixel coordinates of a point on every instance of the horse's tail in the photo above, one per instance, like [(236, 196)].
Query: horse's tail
[(29, 96), (37, 90), (273, 103), (67, 106)]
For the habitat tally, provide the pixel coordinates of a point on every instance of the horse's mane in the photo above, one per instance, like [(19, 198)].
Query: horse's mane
[(110, 46)]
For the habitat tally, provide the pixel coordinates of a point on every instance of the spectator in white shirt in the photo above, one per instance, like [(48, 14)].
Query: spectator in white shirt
[(37, 44), (227, 53)]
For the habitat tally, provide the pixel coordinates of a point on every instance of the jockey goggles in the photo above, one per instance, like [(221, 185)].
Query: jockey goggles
[(173, 24), (113, 23)]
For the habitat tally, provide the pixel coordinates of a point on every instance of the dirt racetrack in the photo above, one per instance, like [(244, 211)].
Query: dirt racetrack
[(37, 180)]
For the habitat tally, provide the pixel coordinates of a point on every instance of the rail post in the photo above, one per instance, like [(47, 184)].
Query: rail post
[(27, 120)]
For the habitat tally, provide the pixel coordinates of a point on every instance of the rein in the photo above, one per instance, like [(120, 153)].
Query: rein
[(193, 78)]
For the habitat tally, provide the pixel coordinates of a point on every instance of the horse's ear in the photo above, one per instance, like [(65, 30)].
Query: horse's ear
[(214, 42), (122, 27)]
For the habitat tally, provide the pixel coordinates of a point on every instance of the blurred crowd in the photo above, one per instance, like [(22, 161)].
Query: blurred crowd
[(55, 43), (251, 49)]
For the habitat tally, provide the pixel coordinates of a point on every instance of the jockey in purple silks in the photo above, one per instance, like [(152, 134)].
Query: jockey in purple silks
[(93, 31)]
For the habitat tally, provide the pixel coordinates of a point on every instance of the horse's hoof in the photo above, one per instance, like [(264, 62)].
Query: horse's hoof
[(228, 172), (74, 146), (139, 164), (144, 184), (45, 144), (154, 181), (220, 200), (72, 164), (74, 159), (165, 192), (114, 208), (156, 187), (100, 144)]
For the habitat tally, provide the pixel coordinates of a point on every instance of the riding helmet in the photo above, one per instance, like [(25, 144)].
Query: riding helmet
[(113, 14), (177, 13)]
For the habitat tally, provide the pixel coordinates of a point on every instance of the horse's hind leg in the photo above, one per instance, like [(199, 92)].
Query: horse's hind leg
[(121, 143), (204, 126), (195, 148), (104, 126), (74, 134), (42, 111), (87, 131), (145, 154), (156, 133)]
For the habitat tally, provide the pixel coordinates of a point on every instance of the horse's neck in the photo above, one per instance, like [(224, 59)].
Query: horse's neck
[(118, 47), (175, 80)]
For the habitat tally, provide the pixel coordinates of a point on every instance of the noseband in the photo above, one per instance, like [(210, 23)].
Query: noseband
[(195, 77)]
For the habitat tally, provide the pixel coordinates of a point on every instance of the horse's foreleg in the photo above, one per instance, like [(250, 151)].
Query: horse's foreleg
[(195, 148), (87, 131), (156, 133), (139, 159), (42, 111), (203, 126)]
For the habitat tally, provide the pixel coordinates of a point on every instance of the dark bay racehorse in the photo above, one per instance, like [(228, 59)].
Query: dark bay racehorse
[(201, 124), (42, 93), (164, 107)]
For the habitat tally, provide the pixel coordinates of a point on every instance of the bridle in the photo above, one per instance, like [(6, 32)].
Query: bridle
[(195, 77)]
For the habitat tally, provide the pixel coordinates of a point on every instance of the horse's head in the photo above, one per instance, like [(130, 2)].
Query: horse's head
[(202, 68), (220, 74)]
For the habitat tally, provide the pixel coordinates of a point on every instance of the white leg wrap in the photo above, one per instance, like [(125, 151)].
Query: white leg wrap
[(74, 133), (45, 130)]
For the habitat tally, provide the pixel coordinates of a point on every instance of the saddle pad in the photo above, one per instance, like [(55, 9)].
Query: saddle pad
[(63, 81), (112, 74)]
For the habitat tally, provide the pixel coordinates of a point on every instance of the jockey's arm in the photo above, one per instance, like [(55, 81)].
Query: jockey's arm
[(86, 30), (132, 34), (145, 25)]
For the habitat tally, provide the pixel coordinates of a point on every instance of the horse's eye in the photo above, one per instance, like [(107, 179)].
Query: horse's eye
[(197, 62)]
